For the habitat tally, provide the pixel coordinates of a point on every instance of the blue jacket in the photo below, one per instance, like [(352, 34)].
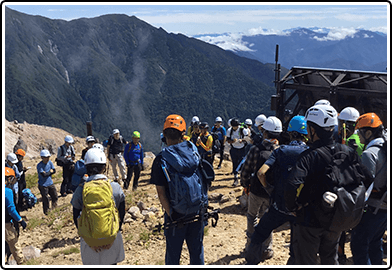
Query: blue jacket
[(134, 155), (79, 172), (10, 210)]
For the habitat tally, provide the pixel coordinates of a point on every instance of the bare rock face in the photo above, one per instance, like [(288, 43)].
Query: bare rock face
[(20, 144)]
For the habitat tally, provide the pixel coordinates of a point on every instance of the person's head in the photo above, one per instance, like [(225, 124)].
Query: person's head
[(248, 123), (95, 161), (259, 121), (174, 129), (272, 128), (369, 127), (196, 127), (12, 159), (204, 127), (136, 137), (234, 123), (346, 120), (10, 178), (20, 154), (297, 128), (194, 120), (321, 121), (116, 134), (90, 140), (218, 121), (45, 155), (68, 140)]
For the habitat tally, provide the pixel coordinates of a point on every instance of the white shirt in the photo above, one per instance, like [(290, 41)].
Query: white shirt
[(236, 135)]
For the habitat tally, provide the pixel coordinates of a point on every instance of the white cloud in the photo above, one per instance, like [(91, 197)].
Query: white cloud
[(338, 34), (232, 42)]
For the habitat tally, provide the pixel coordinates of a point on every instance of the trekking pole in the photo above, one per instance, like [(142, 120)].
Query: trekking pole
[(212, 214)]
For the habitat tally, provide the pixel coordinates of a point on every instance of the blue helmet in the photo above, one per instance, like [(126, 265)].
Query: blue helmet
[(298, 123)]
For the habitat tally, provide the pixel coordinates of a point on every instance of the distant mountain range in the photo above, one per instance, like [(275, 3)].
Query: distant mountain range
[(311, 47), (120, 72)]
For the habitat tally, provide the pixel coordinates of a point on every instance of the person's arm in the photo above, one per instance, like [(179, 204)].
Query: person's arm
[(261, 174), (208, 145), (121, 212), (76, 213), (163, 199)]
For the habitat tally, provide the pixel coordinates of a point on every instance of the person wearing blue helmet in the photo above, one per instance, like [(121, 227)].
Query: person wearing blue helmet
[(280, 163)]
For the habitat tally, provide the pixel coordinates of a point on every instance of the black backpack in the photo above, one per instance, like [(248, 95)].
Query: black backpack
[(216, 144), (344, 176)]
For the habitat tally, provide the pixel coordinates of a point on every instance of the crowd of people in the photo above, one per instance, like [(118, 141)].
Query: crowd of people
[(283, 183)]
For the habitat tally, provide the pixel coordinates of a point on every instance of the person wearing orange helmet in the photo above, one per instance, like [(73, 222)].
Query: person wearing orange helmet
[(180, 160), (366, 237), (20, 154), (12, 216)]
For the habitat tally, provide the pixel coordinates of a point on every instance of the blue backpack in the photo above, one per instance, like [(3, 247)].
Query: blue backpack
[(187, 188), (29, 198)]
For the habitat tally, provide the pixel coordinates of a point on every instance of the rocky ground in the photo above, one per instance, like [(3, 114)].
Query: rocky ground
[(55, 237)]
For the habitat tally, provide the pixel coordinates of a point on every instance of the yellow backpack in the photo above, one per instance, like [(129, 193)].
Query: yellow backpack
[(99, 222)]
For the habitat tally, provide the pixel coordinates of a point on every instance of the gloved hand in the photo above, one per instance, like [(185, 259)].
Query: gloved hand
[(23, 223)]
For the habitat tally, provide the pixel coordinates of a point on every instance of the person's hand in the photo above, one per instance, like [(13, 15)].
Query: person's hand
[(23, 223)]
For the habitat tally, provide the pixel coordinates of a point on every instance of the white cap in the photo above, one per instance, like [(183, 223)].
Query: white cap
[(248, 122), (195, 119), (90, 139), (95, 155), (11, 157), (45, 153), (349, 114), (68, 139), (218, 119), (115, 131), (273, 124)]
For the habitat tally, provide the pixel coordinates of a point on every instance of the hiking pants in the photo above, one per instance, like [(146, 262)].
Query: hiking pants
[(51, 190), (118, 159), (257, 207), (306, 242), (193, 234), (66, 185), (133, 169), (366, 238), (11, 237), (271, 220), (236, 156)]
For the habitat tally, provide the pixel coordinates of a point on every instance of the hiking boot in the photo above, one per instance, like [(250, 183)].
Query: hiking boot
[(267, 254), (54, 205)]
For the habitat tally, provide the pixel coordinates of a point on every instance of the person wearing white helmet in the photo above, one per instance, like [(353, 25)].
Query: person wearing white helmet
[(322, 102), (11, 162), (194, 123), (346, 128), (220, 131), (90, 141), (311, 238), (65, 158), (258, 198), (95, 162), (46, 186), (115, 150)]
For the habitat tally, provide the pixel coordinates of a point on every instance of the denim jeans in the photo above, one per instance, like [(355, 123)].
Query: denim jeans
[(192, 234), (366, 238)]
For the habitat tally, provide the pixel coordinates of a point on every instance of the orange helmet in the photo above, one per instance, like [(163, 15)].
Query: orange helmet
[(175, 121), (9, 172), (368, 120), (20, 152)]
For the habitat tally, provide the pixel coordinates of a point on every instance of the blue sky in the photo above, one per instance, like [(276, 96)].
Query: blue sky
[(202, 18)]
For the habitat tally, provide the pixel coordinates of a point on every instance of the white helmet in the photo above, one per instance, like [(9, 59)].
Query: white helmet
[(98, 146), (349, 114), (90, 139), (195, 119), (11, 157), (95, 155), (68, 139), (218, 119), (322, 115), (322, 102), (248, 122), (260, 119), (273, 124), (45, 153), (115, 131)]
